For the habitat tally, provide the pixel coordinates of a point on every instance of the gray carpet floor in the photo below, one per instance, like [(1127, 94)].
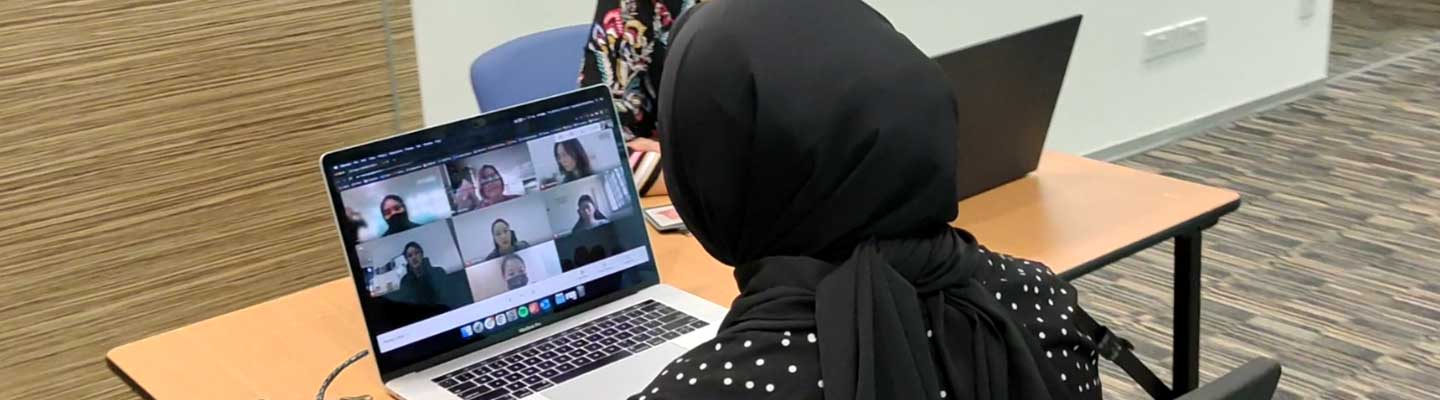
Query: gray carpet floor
[(1332, 264), (1366, 32)]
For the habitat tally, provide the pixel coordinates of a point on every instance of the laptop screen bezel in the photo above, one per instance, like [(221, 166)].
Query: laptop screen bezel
[(648, 276)]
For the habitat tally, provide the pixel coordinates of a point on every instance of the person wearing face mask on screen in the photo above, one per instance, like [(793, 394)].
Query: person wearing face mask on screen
[(396, 214), (512, 269)]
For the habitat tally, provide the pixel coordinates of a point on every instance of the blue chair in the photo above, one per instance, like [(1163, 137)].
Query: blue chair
[(529, 67)]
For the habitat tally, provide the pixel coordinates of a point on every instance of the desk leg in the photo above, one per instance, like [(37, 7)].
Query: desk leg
[(1187, 313)]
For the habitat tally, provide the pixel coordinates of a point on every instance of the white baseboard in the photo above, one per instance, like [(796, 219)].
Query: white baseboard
[(1187, 129)]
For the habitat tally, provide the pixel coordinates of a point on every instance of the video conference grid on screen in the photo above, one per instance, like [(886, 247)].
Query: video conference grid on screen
[(477, 231)]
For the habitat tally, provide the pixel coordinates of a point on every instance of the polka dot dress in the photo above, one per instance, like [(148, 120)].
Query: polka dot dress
[(1045, 305), (785, 365), (749, 365)]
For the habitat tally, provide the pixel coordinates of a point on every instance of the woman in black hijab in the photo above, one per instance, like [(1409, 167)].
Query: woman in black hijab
[(812, 147)]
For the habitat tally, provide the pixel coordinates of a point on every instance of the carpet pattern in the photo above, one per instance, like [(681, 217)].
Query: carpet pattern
[(1332, 264), (1366, 32)]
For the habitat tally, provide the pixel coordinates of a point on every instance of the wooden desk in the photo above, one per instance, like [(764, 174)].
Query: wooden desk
[(1079, 215), (1073, 213)]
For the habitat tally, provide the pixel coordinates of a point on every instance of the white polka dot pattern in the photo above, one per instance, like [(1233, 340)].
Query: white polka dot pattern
[(782, 365), (1036, 296)]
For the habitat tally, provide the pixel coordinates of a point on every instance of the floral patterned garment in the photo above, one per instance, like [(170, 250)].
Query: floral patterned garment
[(626, 51)]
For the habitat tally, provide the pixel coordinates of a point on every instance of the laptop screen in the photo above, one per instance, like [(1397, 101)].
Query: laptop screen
[(468, 233)]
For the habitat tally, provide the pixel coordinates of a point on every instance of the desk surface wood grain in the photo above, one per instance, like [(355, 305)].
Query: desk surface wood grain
[(1069, 211), (1072, 210)]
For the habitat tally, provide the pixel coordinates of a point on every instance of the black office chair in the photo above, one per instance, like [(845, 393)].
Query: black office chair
[(1256, 380)]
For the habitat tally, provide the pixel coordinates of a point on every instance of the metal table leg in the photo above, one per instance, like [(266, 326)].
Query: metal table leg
[(1187, 313)]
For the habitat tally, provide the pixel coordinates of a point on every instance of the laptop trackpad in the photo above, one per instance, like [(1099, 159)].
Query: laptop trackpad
[(620, 379)]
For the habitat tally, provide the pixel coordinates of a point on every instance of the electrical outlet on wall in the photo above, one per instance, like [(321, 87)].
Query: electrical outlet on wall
[(1176, 38), (1308, 8)]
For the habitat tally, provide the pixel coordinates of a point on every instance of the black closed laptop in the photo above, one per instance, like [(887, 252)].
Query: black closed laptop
[(1005, 91)]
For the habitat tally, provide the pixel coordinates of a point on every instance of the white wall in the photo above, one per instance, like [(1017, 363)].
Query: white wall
[(449, 34), (1255, 49)]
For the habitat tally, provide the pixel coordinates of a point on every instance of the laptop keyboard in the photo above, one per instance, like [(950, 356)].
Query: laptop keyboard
[(538, 366)]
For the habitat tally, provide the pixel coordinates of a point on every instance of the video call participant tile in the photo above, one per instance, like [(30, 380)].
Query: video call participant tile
[(492, 178), (397, 204), (588, 246), (581, 205), (502, 229), (512, 272), (418, 270), (573, 155)]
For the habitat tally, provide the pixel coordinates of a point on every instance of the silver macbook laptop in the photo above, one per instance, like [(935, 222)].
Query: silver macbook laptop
[(505, 256)]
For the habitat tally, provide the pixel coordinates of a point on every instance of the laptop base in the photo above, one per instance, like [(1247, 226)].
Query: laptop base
[(628, 375)]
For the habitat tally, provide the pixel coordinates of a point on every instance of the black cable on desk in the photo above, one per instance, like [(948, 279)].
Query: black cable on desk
[(336, 372)]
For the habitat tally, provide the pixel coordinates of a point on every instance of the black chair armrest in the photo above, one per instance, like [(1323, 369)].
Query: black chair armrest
[(1256, 379)]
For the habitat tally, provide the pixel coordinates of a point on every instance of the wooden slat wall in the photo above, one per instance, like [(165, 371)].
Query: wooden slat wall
[(158, 166), (407, 78)]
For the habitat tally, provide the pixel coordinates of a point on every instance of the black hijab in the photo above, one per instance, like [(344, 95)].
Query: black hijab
[(812, 146)]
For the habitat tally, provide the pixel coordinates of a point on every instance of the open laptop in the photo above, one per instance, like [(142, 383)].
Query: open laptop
[(1005, 91), (505, 256)]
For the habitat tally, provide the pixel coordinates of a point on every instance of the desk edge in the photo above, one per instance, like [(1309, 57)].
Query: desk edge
[(1197, 223), (124, 377), (115, 356)]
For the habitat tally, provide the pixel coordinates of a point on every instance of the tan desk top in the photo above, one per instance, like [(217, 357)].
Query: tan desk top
[(1069, 213), (1073, 211)]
